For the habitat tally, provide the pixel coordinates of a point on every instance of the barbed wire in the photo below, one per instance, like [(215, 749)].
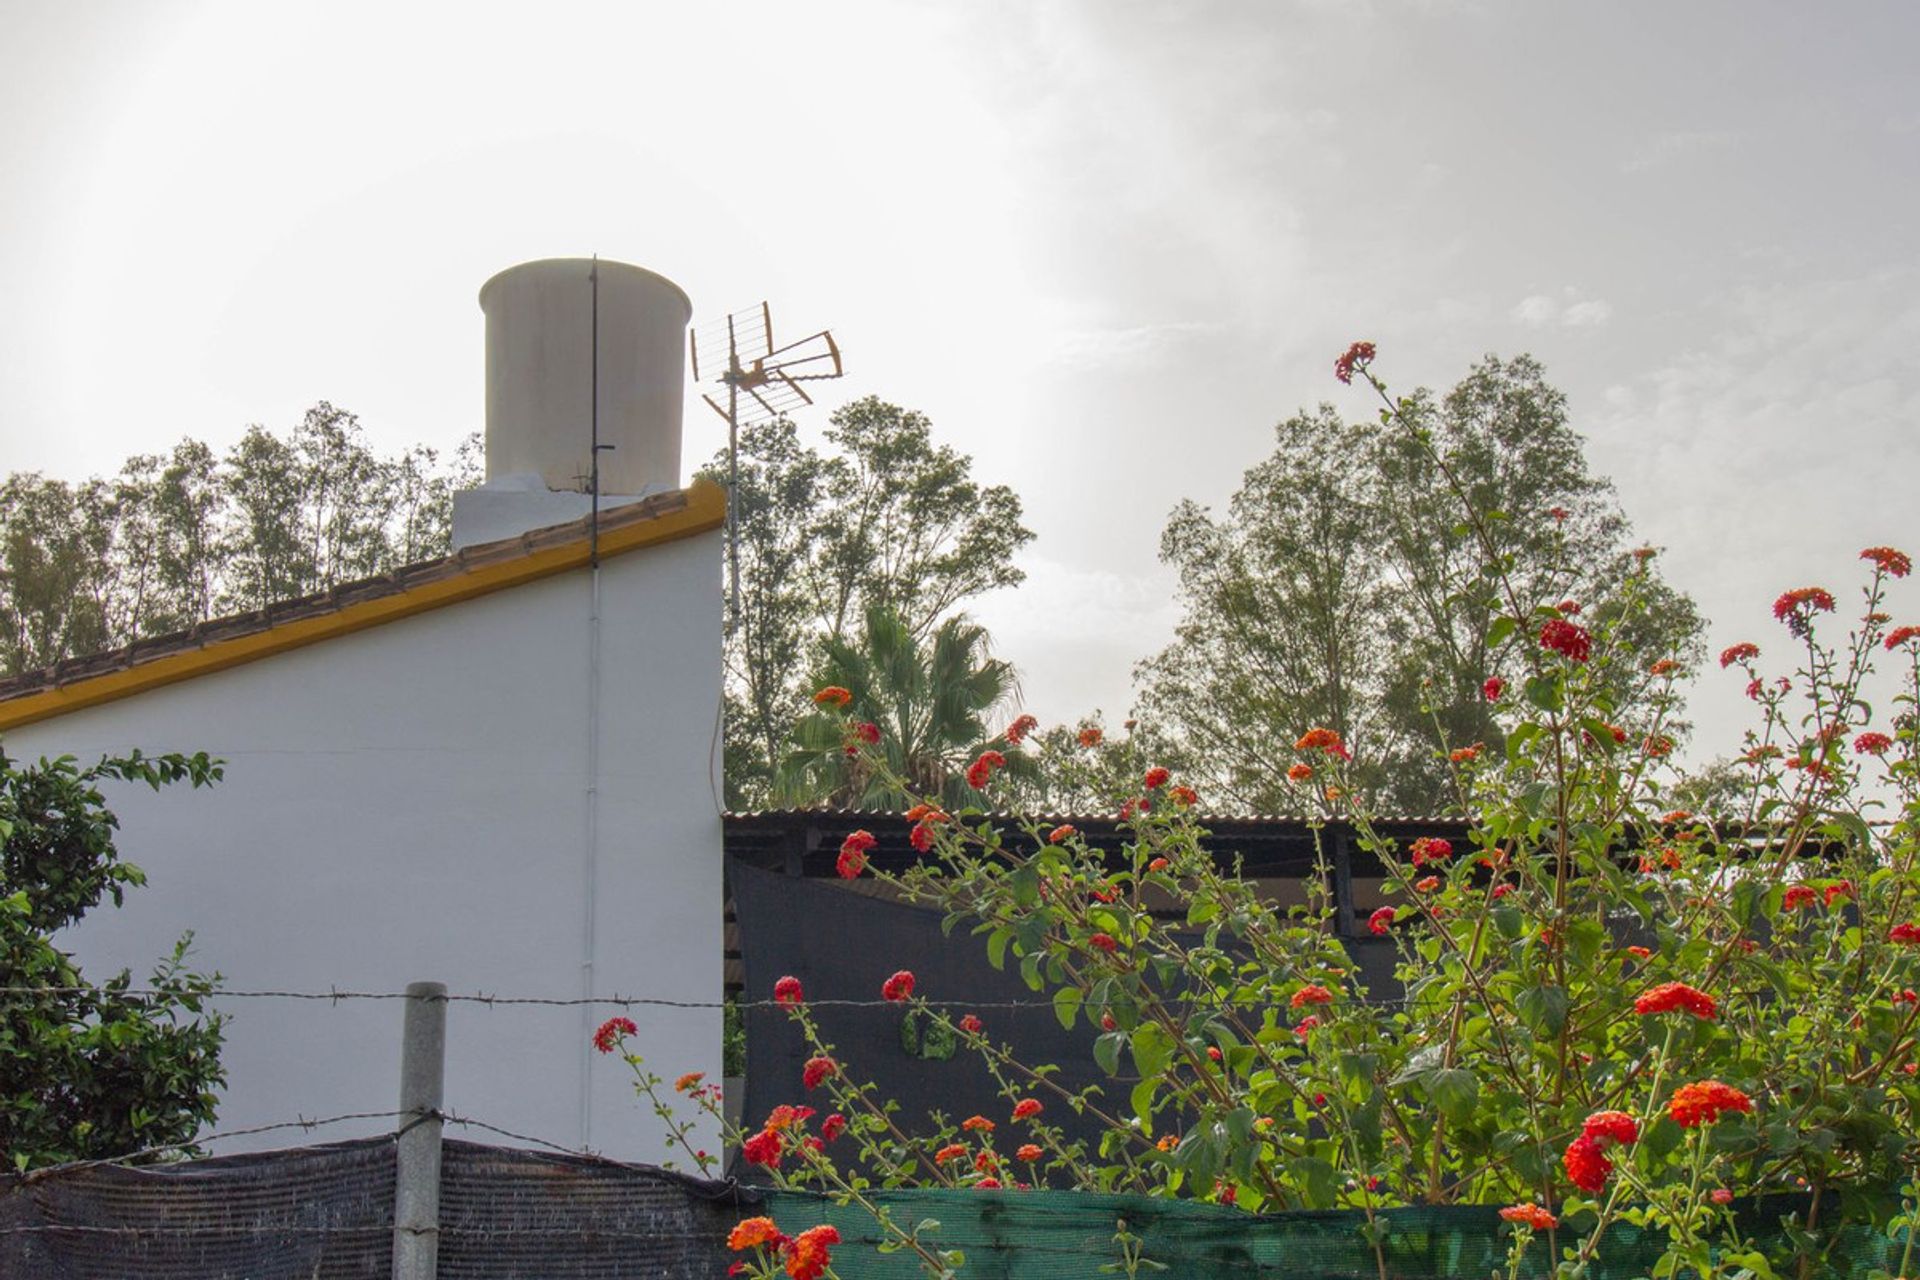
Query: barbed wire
[(190, 1144), (612, 1001)]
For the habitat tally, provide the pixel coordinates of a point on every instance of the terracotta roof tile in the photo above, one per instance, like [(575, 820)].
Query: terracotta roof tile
[(281, 613)]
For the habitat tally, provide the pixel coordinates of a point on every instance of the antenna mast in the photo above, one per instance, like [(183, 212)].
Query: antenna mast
[(763, 382)]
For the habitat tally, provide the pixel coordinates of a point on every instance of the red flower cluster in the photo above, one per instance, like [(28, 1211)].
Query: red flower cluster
[(1381, 921), (971, 1024), (787, 991), (1612, 1126), (1461, 755), (1020, 728), (1586, 1164), (752, 1233), (1895, 564), (1900, 635), (1155, 777), (1802, 601), (808, 1255), (1091, 737), (982, 769), (1798, 896), (1673, 997), (1693, 1105), (1426, 884), (898, 987), (1062, 833), (1745, 651), (949, 1153), (1430, 849), (832, 696), (977, 1124), (1326, 740), (1663, 667), (1905, 934), (1567, 639), (1872, 744), (1027, 1108), (1493, 688), (1104, 941), (1357, 356), (1029, 1153), (866, 731), (1299, 772), (1185, 797), (853, 854), (763, 1148), (610, 1032), (1530, 1214), (816, 1070), (1312, 993), (833, 1126), (1839, 889), (925, 818)]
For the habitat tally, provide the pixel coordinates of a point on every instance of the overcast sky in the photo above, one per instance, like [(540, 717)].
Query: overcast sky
[(1104, 245)]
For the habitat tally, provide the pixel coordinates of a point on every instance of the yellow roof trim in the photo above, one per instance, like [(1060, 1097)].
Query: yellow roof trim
[(705, 509)]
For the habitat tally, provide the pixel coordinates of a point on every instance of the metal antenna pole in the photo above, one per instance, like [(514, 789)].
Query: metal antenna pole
[(733, 469), (416, 1193), (593, 414)]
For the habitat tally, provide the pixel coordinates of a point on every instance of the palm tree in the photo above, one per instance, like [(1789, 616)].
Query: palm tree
[(934, 702)]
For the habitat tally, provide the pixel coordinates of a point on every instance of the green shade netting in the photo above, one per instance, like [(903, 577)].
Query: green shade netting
[(1014, 1235)]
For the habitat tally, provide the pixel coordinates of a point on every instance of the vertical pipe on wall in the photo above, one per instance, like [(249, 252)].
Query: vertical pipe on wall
[(590, 868)]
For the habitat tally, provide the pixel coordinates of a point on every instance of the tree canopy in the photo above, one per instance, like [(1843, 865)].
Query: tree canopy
[(177, 538), (91, 1070), (885, 518), (932, 703), (1340, 589)]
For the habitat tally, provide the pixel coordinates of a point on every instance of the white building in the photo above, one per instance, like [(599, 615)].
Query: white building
[(498, 770)]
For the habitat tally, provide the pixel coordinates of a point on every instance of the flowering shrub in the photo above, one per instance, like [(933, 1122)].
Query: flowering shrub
[(1616, 1010)]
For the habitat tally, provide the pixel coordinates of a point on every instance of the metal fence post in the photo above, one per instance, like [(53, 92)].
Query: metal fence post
[(416, 1193)]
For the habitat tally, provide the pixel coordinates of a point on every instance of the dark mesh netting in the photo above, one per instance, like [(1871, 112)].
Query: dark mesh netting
[(327, 1212), (843, 944)]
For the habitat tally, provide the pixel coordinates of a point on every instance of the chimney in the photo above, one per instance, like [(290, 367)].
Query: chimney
[(541, 323)]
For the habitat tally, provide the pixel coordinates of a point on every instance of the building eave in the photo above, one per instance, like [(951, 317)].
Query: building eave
[(465, 575)]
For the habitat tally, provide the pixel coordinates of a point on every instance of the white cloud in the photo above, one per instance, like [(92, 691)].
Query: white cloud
[(1570, 309)]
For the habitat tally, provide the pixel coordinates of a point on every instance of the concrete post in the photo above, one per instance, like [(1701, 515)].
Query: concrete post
[(416, 1195)]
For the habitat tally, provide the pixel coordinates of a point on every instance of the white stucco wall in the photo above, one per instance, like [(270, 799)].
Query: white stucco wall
[(409, 802)]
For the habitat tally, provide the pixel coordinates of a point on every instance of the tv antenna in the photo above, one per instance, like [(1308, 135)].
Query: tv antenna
[(763, 382)]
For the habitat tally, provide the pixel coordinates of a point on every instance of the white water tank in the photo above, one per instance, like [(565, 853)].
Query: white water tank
[(540, 374)]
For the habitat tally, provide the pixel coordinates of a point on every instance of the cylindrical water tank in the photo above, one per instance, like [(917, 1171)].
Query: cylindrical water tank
[(540, 374)]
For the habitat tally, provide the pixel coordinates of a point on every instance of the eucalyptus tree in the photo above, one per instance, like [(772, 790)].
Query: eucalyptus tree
[(1337, 588), (883, 516), (178, 537)]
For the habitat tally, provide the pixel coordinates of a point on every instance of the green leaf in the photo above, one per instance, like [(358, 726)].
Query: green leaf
[(1066, 1004), (1025, 882), (1106, 1051), (1152, 1049), (1508, 921), (1455, 1091), (1544, 693), (1544, 1011), (1142, 1100), (1497, 634), (997, 948)]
